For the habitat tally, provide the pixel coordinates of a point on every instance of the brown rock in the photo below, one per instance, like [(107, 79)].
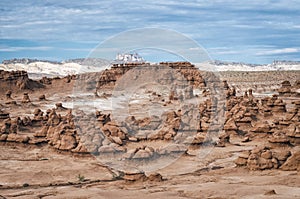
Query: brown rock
[(279, 137), (271, 192), (266, 154), (107, 149), (173, 148), (262, 127), (59, 106), (142, 154), (265, 163), (80, 148), (3, 137), (26, 98), (244, 155), (292, 163), (17, 138), (116, 140), (240, 161), (8, 95), (230, 125), (42, 97), (67, 142), (281, 155), (133, 177), (4, 115), (130, 153), (155, 177), (42, 132)]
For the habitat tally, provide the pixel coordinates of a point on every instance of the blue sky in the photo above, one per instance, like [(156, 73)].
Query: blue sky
[(254, 31)]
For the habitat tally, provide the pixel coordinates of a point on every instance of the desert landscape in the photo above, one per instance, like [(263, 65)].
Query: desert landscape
[(141, 130)]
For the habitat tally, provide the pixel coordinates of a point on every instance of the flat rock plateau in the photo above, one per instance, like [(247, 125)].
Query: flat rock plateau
[(142, 131)]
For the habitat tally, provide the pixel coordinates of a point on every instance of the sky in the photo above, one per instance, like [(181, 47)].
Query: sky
[(257, 31)]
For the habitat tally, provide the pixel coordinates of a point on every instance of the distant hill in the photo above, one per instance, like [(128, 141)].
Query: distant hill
[(239, 66), (97, 62), (38, 68)]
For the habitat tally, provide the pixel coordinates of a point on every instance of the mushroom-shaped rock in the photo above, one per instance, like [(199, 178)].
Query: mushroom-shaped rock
[(42, 97), (26, 98), (8, 95), (59, 106)]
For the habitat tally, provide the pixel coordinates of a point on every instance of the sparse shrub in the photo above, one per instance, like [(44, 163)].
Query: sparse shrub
[(81, 178)]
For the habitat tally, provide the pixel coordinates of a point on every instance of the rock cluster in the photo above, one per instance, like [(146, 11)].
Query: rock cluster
[(262, 158), (9, 128), (288, 90), (188, 71)]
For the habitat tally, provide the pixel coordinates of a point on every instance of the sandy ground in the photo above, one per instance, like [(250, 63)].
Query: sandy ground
[(42, 172)]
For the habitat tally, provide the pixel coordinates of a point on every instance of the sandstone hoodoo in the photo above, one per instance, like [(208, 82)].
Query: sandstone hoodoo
[(26, 98), (42, 97), (8, 95)]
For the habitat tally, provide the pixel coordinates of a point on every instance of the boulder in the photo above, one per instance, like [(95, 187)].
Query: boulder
[(261, 127), (4, 115), (230, 125), (42, 97), (279, 137), (60, 107), (42, 132), (67, 142), (142, 154), (134, 176), (155, 177), (17, 138), (292, 163)]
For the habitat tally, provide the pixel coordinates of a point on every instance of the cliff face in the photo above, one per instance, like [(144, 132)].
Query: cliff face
[(17, 80)]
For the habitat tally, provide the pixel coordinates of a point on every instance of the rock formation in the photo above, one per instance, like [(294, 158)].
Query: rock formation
[(17, 80), (26, 98)]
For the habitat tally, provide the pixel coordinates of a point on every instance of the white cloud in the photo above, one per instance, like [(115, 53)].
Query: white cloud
[(14, 49), (278, 51)]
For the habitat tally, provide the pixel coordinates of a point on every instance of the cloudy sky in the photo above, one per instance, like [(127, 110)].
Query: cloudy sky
[(257, 31)]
